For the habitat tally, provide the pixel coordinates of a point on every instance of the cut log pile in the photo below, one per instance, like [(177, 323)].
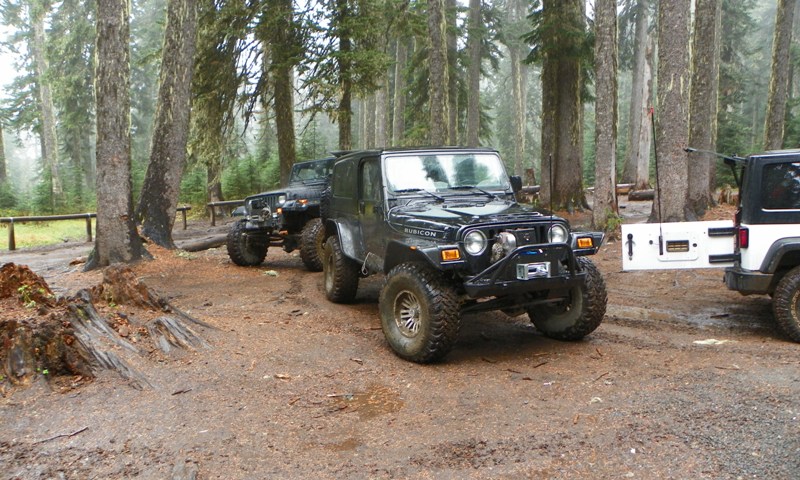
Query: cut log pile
[(109, 326)]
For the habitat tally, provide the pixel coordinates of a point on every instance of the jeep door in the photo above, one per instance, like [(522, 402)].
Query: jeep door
[(371, 211)]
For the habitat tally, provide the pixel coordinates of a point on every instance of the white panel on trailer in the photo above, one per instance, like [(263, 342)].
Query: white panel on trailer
[(682, 245)]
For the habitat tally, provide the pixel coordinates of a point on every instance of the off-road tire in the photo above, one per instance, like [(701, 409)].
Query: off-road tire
[(786, 304), (240, 252), (341, 273), (419, 313), (579, 315), (312, 240)]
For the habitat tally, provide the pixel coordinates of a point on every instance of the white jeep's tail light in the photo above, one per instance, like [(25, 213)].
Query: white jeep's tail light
[(744, 237)]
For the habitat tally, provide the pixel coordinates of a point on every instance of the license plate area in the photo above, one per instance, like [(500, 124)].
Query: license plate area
[(527, 271)]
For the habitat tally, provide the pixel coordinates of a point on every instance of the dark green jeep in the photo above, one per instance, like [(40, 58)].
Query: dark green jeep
[(287, 218), (444, 226)]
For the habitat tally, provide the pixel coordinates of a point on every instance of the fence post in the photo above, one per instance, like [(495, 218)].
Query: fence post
[(88, 228), (213, 214), (183, 211), (12, 243)]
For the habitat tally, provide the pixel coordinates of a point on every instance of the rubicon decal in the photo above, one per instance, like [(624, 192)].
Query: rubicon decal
[(422, 232)]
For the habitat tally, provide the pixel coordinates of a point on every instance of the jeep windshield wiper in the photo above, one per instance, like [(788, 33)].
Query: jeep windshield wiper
[(422, 190), (473, 187)]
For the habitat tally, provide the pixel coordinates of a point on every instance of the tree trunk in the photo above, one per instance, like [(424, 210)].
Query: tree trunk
[(519, 108), (162, 183), (438, 82), (398, 115), (451, 28), (703, 102), (369, 120), (3, 168), (47, 109), (117, 240), (474, 41), (779, 79), (562, 108), (344, 114), (605, 57), (672, 132), (637, 160), (282, 70), (381, 95)]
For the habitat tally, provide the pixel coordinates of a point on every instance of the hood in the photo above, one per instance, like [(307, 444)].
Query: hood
[(434, 219)]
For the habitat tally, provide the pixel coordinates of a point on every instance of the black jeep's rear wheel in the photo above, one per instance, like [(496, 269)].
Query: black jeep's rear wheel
[(341, 273), (312, 240), (786, 304), (419, 313), (580, 313), (243, 252)]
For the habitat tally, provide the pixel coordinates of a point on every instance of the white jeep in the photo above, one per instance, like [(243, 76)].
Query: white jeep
[(760, 248)]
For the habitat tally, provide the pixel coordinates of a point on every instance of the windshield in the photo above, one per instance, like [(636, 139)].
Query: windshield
[(442, 172), (311, 171)]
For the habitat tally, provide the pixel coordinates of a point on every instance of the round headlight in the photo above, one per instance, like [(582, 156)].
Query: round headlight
[(475, 242), (281, 199), (507, 240), (557, 234)]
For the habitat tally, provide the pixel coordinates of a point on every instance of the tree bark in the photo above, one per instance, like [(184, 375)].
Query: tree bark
[(703, 102), (672, 132), (117, 240), (398, 115), (47, 109), (282, 70), (369, 104), (344, 114), (438, 82), (605, 198), (451, 28), (474, 41), (637, 161), (562, 108), (162, 183), (779, 79)]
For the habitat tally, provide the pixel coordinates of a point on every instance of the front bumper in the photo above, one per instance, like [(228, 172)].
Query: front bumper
[(502, 278), (748, 281)]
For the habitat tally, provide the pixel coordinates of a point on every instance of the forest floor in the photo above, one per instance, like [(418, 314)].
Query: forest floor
[(684, 379)]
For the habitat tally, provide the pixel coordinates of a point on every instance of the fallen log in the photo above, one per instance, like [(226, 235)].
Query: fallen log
[(203, 243), (641, 195)]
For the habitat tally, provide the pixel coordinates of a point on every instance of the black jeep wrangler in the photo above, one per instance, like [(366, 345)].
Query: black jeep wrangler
[(444, 226), (287, 218)]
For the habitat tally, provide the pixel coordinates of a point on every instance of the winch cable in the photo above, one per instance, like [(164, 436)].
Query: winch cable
[(658, 184)]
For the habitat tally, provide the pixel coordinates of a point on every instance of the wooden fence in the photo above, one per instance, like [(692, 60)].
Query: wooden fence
[(12, 241)]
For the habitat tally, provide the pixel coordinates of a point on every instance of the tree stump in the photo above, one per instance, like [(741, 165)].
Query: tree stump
[(44, 335)]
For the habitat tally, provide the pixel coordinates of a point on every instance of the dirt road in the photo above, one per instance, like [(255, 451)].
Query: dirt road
[(296, 387)]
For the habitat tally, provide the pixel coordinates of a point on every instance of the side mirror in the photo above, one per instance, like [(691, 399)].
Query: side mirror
[(516, 183)]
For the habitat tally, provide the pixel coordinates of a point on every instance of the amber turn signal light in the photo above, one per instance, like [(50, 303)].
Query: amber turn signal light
[(451, 255), (585, 242)]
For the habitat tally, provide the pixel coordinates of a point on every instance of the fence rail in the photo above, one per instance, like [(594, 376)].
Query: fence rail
[(12, 241), (212, 207)]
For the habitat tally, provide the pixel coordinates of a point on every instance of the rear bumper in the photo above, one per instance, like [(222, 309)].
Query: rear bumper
[(748, 281)]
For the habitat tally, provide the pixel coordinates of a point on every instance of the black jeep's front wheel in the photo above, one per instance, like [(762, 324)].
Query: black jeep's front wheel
[(243, 252), (340, 273), (419, 313), (580, 313), (786, 304), (312, 240)]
